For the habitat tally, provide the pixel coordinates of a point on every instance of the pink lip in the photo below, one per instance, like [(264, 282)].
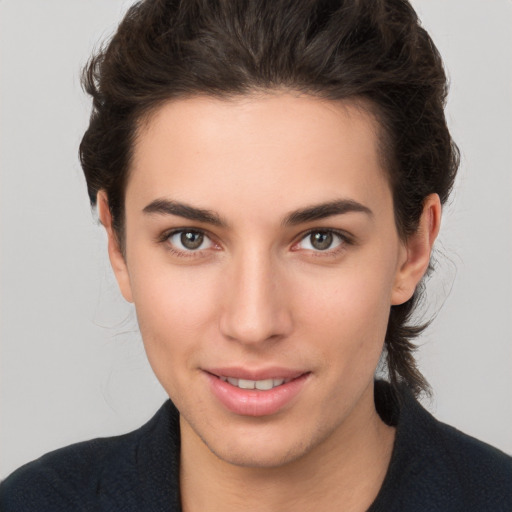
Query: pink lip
[(252, 402), (274, 372)]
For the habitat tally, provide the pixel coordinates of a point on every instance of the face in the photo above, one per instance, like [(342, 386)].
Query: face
[(262, 257)]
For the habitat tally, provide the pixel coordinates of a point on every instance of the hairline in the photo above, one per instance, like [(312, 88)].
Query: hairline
[(143, 115)]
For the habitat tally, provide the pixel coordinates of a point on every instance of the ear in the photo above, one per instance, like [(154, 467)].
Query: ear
[(117, 259), (417, 250)]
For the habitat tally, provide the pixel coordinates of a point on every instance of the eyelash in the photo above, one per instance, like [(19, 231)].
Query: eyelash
[(165, 239), (344, 241)]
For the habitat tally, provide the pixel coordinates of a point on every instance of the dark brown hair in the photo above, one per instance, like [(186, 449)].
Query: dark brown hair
[(374, 51)]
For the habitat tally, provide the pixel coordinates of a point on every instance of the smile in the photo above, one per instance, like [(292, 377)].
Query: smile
[(262, 385), (256, 393)]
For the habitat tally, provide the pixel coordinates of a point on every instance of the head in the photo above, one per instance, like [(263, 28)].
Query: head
[(365, 58)]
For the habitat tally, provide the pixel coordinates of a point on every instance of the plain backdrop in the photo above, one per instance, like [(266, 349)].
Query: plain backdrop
[(72, 364)]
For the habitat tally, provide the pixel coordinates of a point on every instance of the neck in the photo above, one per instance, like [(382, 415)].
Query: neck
[(345, 472)]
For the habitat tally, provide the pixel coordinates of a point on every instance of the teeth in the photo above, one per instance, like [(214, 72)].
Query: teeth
[(246, 384), (262, 385)]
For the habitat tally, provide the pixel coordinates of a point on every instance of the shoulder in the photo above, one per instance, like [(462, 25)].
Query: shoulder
[(65, 478), (92, 475), (482, 471), (435, 467)]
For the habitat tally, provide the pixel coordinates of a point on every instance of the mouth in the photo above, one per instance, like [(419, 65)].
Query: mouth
[(261, 380), (262, 385), (259, 393)]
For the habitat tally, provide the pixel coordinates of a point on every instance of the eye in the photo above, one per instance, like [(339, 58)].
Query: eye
[(189, 240), (321, 240)]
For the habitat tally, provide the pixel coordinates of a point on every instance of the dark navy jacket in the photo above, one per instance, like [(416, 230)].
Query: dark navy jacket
[(434, 468)]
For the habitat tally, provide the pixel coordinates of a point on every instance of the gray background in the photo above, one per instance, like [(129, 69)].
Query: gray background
[(72, 365)]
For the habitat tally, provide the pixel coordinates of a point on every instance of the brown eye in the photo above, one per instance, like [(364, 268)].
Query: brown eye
[(321, 240), (189, 240)]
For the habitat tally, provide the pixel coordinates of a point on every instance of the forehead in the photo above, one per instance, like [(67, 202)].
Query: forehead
[(281, 147)]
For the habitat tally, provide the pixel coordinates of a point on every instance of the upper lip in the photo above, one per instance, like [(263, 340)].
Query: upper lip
[(275, 372)]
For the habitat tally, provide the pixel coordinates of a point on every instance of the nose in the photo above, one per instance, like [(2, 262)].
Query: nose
[(255, 306)]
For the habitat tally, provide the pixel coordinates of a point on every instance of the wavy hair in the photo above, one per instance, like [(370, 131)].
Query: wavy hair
[(371, 51)]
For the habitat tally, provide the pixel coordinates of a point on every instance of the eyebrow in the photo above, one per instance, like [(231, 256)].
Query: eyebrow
[(166, 207), (324, 210), (303, 215)]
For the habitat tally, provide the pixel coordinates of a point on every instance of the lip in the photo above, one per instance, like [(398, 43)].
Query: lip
[(274, 372), (251, 402)]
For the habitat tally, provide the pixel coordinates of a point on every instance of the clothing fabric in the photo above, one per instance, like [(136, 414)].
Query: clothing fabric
[(433, 468)]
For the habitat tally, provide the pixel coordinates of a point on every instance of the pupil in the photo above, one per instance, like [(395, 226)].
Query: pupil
[(321, 240), (191, 239)]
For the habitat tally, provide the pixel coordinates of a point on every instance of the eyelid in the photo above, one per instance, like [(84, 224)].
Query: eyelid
[(167, 234), (346, 239)]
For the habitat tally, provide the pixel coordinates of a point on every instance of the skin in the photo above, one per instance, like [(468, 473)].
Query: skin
[(258, 294)]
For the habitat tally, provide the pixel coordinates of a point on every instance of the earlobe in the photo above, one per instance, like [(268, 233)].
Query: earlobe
[(117, 259), (418, 248)]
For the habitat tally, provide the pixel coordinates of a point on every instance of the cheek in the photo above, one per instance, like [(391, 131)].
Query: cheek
[(174, 312), (348, 315), (353, 299), (165, 293)]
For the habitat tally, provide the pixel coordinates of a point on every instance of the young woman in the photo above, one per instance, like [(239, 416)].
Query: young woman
[(271, 176)]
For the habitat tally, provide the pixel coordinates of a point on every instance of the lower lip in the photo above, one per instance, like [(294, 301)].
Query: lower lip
[(252, 402)]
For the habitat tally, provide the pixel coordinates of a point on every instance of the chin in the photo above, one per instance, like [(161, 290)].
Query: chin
[(254, 455), (262, 444)]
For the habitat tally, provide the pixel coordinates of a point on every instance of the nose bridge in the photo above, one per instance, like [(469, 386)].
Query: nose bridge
[(254, 309)]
